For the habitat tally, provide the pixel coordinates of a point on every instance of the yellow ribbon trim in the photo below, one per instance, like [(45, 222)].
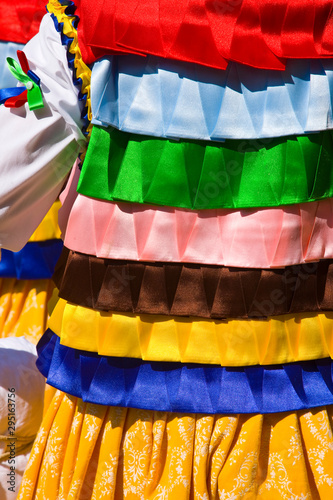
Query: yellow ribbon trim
[(280, 339), (48, 229), (82, 70)]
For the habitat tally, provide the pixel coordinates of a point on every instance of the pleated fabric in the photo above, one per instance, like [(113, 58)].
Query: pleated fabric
[(254, 33), (279, 339), (277, 237), (88, 451), (203, 175), (192, 289), (167, 386), (98, 452), (165, 98)]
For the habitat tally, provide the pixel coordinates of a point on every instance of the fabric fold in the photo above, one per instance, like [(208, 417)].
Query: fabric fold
[(36, 260), (19, 21), (192, 289), (23, 306), (205, 175), (233, 342), (254, 33), (165, 98), (174, 451), (277, 237), (169, 386)]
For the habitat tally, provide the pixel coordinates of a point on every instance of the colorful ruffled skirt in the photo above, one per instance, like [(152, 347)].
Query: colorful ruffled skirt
[(192, 342)]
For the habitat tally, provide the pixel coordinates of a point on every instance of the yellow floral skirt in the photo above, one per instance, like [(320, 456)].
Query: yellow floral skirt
[(86, 451), (23, 307)]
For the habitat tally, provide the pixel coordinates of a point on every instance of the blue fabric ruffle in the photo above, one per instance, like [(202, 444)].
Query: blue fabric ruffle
[(178, 387), (36, 260), (163, 98)]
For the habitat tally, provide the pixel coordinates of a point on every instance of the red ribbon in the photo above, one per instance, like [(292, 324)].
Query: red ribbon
[(17, 101)]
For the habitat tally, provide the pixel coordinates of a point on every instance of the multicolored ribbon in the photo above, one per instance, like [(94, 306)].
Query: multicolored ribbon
[(17, 96)]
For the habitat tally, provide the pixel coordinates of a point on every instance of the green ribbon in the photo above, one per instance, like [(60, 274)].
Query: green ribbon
[(35, 99), (202, 175)]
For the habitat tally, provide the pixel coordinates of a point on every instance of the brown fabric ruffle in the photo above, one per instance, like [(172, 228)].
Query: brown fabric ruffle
[(179, 289)]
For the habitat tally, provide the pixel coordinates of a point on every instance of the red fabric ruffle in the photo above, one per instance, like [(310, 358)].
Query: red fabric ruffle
[(259, 33), (20, 19)]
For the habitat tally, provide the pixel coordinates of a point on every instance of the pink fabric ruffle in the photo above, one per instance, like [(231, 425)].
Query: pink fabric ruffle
[(265, 238)]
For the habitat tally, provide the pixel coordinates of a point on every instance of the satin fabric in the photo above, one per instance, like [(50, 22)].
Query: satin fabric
[(232, 342), (36, 260), (202, 175), (164, 98), (156, 386), (277, 237), (109, 452), (257, 33), (20, 20), (192, 290), (7, 49)]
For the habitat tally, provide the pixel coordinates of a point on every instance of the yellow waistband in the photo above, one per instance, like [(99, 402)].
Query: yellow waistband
[(280, 339)]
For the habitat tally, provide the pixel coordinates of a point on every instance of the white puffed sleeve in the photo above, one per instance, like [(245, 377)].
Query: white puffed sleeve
[(38, 148)]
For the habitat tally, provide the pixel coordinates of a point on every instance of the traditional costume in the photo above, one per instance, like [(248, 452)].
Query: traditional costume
[(191, 345)]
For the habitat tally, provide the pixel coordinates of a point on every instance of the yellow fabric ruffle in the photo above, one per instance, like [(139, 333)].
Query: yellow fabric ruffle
[(82, 70), (86, 451), (23, 307), (281, 339), (48, 229)]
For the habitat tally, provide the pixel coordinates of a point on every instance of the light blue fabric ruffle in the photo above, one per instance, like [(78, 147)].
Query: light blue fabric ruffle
[(163, 98)]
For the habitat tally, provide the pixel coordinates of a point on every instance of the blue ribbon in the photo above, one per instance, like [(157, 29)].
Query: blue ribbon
[(10, 92), (178, 387), (33, 77), (36, 260)]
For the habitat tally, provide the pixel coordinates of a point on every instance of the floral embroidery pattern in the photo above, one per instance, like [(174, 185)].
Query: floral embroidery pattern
[(114, 453)]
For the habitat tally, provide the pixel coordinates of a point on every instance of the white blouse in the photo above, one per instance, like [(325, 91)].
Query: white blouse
[(38, 148)]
